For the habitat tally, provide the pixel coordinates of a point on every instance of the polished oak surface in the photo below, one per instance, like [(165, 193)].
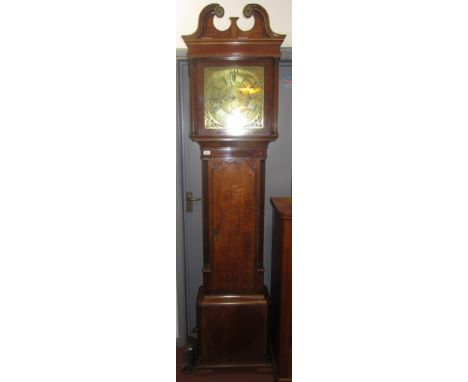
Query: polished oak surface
[(207, 41), (281, 287), (233, 221), (234, 330)]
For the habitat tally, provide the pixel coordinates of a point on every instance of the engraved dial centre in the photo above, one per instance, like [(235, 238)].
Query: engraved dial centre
[(234, 97)]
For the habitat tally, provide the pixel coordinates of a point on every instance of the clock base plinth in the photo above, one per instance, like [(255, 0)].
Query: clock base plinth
[(233, 331)]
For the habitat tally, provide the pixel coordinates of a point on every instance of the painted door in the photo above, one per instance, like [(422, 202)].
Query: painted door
[(277, 183)]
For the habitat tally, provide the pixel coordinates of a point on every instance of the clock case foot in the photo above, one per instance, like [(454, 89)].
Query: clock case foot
[(190, 352)]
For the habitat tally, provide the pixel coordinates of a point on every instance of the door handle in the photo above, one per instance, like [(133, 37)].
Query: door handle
[(189, 199)]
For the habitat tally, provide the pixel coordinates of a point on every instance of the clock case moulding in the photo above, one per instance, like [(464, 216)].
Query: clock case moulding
[(233, 303)]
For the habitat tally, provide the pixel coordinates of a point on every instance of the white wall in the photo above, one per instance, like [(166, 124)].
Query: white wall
[(188, 11)]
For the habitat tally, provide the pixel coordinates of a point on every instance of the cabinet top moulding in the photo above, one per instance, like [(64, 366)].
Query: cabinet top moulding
[(259, 41)]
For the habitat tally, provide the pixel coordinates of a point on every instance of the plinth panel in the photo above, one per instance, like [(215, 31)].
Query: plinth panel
[(232, 329)]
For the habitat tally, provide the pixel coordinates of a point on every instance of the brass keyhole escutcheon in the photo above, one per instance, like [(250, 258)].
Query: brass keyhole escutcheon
[(216, 233)]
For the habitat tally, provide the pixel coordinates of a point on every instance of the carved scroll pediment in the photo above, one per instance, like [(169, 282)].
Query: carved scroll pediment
[(207, 31)]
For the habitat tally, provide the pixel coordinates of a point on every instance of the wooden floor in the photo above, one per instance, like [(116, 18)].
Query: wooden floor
[(220, 376)]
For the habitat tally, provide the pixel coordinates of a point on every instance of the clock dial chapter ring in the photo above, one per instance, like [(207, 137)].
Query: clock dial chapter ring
[(234, 97)]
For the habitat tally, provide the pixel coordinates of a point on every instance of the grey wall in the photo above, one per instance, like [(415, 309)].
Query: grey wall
[(278, 166)]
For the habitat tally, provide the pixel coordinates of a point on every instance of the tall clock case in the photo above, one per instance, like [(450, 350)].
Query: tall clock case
[(233, 302), (198, 70)]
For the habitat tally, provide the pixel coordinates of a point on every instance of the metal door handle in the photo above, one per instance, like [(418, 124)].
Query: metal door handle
[(189, 199), (193, 199)]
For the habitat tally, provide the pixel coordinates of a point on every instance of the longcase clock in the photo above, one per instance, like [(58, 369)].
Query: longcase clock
[(233, 107)]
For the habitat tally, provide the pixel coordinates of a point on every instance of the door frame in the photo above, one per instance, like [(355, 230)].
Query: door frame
[(181, 246)]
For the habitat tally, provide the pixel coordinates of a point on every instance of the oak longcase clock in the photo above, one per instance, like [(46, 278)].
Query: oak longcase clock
[(233, 108)]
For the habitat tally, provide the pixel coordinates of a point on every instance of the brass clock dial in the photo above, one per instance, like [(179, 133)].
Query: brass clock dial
[(234, 97)]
